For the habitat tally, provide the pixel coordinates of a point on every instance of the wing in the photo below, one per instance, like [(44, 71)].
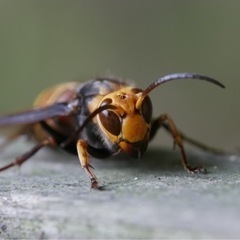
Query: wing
[(38, 114)]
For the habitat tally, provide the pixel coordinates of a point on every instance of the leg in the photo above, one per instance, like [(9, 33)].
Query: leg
[(84, 160), (201, 145), (20, 160), (167, 122)]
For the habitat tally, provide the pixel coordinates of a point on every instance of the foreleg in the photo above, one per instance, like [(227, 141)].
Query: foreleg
[(84, 161), (166, 122)]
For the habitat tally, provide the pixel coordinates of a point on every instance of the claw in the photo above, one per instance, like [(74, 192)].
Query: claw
[(196, 170), (94, 183)]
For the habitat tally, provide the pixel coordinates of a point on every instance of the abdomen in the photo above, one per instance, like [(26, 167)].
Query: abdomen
[(64, 92)]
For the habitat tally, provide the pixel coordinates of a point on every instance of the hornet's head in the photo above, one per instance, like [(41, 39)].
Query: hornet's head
[(126, 123)]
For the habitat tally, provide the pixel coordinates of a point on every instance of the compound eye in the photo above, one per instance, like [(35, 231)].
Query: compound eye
[(110, 121), (146, 109)]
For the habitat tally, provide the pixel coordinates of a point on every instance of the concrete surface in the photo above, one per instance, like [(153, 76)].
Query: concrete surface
[(49, 197)]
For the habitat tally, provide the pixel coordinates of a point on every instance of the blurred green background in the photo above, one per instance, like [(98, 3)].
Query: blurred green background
[(47, 42)]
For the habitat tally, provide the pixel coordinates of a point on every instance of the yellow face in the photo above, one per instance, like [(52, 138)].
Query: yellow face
[(127, 125)]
